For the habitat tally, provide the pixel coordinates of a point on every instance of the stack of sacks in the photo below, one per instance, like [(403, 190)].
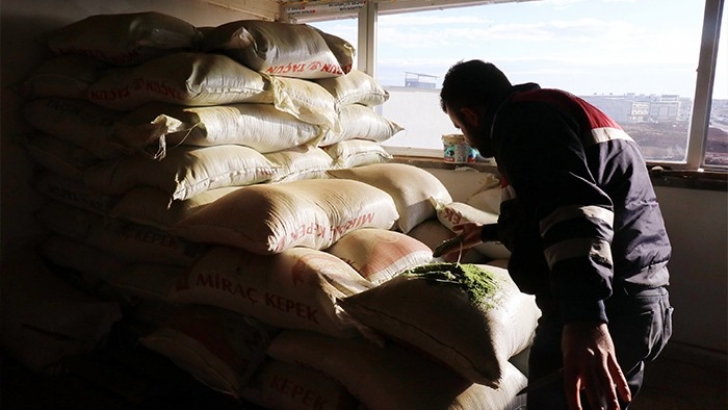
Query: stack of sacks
[(46, 320), (209, 181), (437, 337)]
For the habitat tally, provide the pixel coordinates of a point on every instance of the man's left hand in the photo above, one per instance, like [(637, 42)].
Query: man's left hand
[(590, 364)]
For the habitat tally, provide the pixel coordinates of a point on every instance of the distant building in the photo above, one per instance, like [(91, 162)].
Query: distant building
[(631, 108), (417, 80)]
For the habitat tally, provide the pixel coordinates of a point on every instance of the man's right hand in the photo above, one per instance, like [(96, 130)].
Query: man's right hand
[(469, 235)]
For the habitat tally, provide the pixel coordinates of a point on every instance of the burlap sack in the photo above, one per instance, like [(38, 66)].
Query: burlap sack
[(188, 79), (356, 87), (356, 153), (184, 172), (295, 289), (64, 76), (72, 192), (275, 48), (378, 254), (288, 386), (153, 207), (475, 330), (130, 242), (157, 127), (220, 348), (79, 122), (125, 39), (412, 189), (458, 213), (393, 377), (301, 162), (270, 218), (360, 122)]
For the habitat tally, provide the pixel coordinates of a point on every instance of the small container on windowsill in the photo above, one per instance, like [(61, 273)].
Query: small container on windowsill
[(456, 150)]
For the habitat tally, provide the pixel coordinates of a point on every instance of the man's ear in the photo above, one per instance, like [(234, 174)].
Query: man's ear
[(470, 115)]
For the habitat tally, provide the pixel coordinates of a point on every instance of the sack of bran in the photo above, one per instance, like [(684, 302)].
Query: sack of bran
[(125, 39), (295, 289), (271, 218)]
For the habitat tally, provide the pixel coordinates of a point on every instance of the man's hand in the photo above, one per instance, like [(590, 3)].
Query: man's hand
[(590, 364), (469, 236)]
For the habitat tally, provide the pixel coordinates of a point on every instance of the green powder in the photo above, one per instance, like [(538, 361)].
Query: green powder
[(478, 283)]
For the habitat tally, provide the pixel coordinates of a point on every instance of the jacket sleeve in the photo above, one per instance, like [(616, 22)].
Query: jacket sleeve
[(540, 153)]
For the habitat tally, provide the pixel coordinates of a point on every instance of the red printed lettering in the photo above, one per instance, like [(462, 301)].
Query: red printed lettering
[(289, 306)]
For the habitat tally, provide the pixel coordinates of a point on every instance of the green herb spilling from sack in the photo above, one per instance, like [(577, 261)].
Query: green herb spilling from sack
[(478, 283)]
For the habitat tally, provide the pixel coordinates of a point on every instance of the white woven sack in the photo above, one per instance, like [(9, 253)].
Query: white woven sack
[(188, 79), (432, 233), (356, 152), (66, 252), (261, 127), (458, 213), (125, 39), (126, 282), (342, 49), (488, 197), (295, 289), (45, 319), (393, 377), (301, 162), (475, 338), (275, 48), (153, 207), (412, 189), (130, 242), (184, 172), (79, 122), (356, 87), (270, 218), (58, 155), (72, 192), (307, 101), (65, 76), (378, 254), (360, 122), (220, 348), (289, 386)]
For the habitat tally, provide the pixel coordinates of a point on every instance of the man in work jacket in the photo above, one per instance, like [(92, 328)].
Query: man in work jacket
[(586, 234)]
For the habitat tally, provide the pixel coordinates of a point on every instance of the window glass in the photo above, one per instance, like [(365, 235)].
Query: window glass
[(636, 60), (716, 144)]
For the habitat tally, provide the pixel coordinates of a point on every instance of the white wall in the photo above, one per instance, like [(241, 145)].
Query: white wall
[(697, 222)]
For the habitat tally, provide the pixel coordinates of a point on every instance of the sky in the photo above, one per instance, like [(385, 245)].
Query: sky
[(584, 46)]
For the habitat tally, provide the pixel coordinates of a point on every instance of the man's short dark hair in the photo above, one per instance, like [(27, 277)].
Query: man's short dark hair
[(472, 83)]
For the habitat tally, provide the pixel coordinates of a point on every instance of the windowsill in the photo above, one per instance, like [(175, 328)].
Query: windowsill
[(710, 181), (438, 163)]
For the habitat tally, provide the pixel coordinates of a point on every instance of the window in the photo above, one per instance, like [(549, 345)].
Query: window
[(636, 60), (716, 143)]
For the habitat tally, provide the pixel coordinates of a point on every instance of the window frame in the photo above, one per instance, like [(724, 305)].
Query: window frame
[(705, 78)]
